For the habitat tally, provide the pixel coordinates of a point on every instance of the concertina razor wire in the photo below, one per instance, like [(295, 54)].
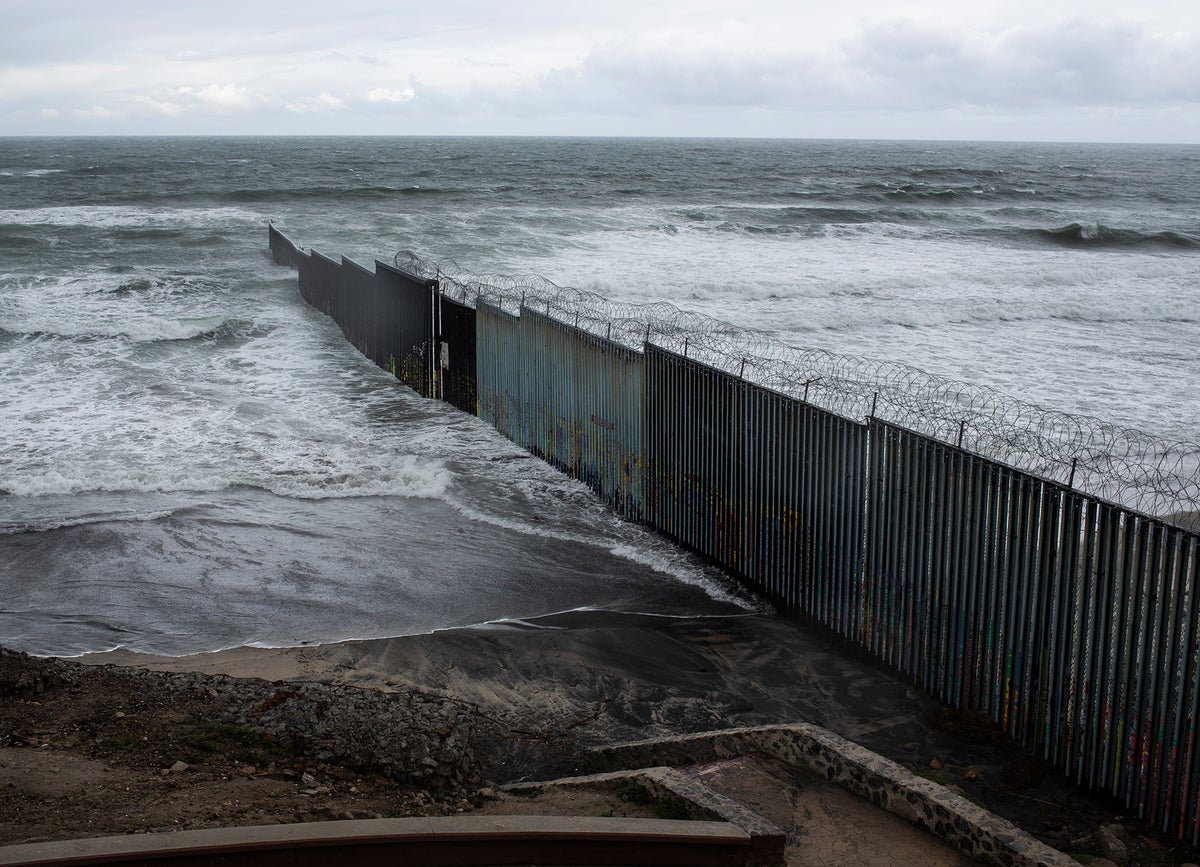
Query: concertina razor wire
[(1129, 467)]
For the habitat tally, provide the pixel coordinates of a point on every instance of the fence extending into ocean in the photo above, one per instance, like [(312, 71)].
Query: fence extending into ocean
[(1042, 592)]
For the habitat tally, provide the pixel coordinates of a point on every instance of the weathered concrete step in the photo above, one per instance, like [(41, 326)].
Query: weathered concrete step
[(701, 803), (422, 842), (972, 830)]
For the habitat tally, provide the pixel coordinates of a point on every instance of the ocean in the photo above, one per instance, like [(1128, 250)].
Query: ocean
[(192, 459)]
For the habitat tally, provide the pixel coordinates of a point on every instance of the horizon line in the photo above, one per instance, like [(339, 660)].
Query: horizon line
[(590, 136)]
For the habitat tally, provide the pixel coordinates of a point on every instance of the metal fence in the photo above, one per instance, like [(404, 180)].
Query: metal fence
[(406, 324), (499, 376), (768, 486), (358, 306), (584, 401), (456, 356), (1072, 621), (390, 316)]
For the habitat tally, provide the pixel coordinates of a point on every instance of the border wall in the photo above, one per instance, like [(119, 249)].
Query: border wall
[(1072, 621)]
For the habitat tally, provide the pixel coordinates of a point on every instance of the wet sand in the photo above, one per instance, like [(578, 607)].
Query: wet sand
[(561, 683), (609, 676)]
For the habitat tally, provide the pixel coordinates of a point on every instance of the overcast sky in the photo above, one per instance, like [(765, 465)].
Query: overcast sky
[(1078, 70)]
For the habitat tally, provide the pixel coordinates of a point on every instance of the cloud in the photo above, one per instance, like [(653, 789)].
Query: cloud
[(699, 74), (893, 65), (1068, 64), (624, 65), (225, 96), (98, 112), (319, 103), (218, 99), (384, 94), (159, 105)]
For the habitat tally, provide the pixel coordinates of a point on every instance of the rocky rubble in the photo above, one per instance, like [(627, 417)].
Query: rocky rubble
[(99, 750), (406, 736)]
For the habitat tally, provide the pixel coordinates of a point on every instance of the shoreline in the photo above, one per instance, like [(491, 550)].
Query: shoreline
[(547, 691), (576, 680)]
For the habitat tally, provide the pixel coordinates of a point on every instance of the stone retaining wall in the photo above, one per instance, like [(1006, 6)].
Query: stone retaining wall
[(973, 830)]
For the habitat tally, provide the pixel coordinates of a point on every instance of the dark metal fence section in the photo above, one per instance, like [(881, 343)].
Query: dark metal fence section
[(585, 407), (955, 581), (768, 486), (456, 355), (826, 458), (687, 452), (358, 289), (283, 251), (1124, 661), (499, 373), (406, 327), (391, 316), (1069, 621), (325, 280), (304, 275)]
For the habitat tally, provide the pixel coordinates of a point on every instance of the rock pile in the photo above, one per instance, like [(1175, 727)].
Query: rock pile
[(411, 737)]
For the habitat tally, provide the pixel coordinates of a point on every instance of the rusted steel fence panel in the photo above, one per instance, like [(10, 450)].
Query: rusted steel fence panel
[(768, 486), (687, 439), (1126, 703), (304, 275), (1071, 622), (499, 372), (456, 355), (585, 402), (954, 594)]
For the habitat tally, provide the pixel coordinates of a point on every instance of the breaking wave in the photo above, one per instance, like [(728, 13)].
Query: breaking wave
[(1099, 236), (199, 328)]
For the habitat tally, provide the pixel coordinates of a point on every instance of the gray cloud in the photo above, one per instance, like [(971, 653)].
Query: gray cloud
[(900, 64), (622, 66), (1074, 63)]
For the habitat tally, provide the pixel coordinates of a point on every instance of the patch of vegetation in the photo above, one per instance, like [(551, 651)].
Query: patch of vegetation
[(220, 738), (635, 793), (237, 743), (663, 808), (193, 742), (671, 808), (123, 743)]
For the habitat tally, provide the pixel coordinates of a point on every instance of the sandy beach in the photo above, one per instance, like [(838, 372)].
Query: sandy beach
[(603, 676), (557, 685)]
